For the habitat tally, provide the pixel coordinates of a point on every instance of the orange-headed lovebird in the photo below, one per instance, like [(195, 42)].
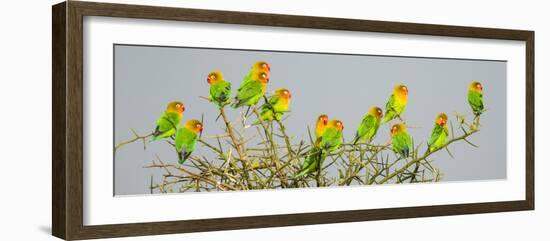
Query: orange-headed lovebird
[(369, 125), (439, 132), (278, 104), (220, 89), (187, 138), (397, 102), (169, 121), (475, 97)]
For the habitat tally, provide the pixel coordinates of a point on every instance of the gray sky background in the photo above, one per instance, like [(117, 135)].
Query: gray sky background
[(342, 86)]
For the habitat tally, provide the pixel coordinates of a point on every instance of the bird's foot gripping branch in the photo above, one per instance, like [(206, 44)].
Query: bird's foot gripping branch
[(260, 154)]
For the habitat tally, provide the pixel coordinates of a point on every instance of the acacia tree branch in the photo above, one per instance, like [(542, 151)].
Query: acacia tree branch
[(426, 155), (238, 146), (136, 138)]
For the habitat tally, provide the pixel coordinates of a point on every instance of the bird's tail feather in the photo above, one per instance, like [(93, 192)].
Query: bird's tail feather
[(356, 139), (182, 156)]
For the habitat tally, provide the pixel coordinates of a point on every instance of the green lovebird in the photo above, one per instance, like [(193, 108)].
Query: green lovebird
[(369, 125), (278, 104), (259, 66), (332, 137), (397, 102), (169, 121), (330, 140), (187, 138), (321, 126), (475, 97), (251, 91), (401, 141), (312, 159), (439, 133), (220, 90)]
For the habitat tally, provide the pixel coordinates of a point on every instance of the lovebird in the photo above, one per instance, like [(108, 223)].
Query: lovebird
[(250, 92), (397, 102), (259, 66), (401, 140), (311, 162), (278, 104), (332, 137), (186, 139), (439, 133), (220, 89), (369, 125), (169, 121), (330, 140), (475, 97), (321, 125)]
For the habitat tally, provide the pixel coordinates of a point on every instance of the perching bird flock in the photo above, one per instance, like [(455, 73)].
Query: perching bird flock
[(305, 160)]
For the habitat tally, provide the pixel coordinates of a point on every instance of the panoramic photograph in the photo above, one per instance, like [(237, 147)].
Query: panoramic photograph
[(192, 120)]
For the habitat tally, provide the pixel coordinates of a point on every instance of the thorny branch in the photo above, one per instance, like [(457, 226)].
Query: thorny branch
[(276, 159)]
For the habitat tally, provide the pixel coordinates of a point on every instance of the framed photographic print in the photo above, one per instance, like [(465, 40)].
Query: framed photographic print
[(217, 120)]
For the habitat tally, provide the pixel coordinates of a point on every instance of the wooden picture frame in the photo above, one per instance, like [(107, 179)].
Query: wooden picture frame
[(67, 124)]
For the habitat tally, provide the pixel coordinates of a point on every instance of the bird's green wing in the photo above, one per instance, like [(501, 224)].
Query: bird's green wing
[(476, 101), (390, 109), (438, 138), (167, 124), (220, 93), (332, 139), (249, 93), (402, 144), (436, 133), (312, 161), (368, 124), (391, 103), (185, 142)]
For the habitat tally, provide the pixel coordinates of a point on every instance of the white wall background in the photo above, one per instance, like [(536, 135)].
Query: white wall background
[(25, 123)]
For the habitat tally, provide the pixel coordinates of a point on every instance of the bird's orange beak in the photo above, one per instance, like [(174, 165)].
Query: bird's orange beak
[(208, 79)]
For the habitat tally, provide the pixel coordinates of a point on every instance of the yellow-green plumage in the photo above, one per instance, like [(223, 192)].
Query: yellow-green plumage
[(439, 133), (169, 121), (220, 89), (277, 105), (369, 125), (475, 97), (186, 139), (401, 140), (397, 103), (250, 92), (330, 140)]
